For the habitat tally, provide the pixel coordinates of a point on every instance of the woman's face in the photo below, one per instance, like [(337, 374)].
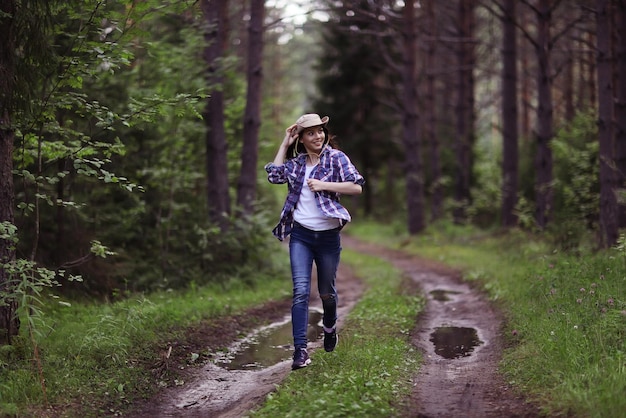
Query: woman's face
[(313, 139)]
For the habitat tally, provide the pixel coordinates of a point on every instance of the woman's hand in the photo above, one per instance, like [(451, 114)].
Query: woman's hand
[(315, 185), (291, 134), (345, 187)]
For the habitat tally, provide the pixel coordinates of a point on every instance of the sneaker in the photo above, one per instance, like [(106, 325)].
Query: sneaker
[(330, 340), (300, 359)]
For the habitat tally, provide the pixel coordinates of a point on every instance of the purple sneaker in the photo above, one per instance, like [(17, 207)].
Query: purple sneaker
[(300, 359)]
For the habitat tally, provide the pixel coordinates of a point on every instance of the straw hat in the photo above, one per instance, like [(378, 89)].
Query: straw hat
[(309, 120)]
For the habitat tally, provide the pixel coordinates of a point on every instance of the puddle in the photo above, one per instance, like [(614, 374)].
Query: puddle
[(441, 295), (269, 345), (454, 342)]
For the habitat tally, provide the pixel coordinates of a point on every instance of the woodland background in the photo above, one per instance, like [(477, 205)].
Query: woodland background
[(133, 133)]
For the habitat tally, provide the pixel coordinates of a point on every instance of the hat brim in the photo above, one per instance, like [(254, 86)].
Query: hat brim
[(324, 121)]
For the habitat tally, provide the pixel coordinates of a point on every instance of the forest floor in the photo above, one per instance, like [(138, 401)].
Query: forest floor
[(466, 386)]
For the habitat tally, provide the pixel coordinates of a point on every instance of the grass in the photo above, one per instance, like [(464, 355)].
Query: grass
[(369, 374), (566, 313), (95, 357)]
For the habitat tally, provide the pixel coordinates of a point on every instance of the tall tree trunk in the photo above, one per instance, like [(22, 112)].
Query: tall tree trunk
[(509, 116), (581, 70), (544, 131), (60, 248), (246, 190), (591, 69), (525, 84), (568, 80), (620, 108), (215, 14), (430, 114), (9, 323), (470, 92), (411, 140), (608, 201), (464, 110)]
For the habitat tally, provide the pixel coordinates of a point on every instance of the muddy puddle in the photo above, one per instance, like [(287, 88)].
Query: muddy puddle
[(268, 345), (443, 295), (454, 342)]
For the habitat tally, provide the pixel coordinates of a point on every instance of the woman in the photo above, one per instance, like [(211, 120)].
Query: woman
[(316, 174)]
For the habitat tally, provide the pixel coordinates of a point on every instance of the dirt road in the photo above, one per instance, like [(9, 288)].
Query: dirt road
[(465, 385)]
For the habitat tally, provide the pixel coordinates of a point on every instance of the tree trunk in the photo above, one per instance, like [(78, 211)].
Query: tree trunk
[(414, 175), (59, 249), (509, 116), (430, 114), (9, 323), (215, 14), (591, 70), (620, 108), (524, 84), (544, 131), (608, 202), (581, 70), (246, 190), (464, 110), (568, 80)]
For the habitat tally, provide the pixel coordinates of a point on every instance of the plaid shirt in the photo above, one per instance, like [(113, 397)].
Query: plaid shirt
[(334, 166)]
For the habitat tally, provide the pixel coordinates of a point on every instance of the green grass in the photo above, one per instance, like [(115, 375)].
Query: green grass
[(566, 313), (96, 356), (369, 374)]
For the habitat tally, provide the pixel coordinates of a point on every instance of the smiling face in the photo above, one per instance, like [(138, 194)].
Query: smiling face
[(313, 139)]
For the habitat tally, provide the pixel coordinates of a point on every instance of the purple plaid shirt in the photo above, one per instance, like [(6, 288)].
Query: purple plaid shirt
[(334, 166)]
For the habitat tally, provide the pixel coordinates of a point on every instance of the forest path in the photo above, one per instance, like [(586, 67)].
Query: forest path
[(459, 375), (463, 387)]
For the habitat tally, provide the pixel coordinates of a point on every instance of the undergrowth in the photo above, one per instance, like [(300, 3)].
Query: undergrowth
[(97, 358)]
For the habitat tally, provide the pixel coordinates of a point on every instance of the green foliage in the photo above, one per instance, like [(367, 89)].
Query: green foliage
[(525, 214), (486, 194), (67, 141), (576, 186), (526, 191), (24, 289), (620, 247), (164, 236), (113, 149), (575, 210), (26, 283)]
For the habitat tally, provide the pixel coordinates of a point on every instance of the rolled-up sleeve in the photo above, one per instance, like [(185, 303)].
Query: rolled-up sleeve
[(276, 174), (348, 171)]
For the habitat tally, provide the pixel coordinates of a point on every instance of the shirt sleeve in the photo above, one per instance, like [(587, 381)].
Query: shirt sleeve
[(348, 170), (276, 174)]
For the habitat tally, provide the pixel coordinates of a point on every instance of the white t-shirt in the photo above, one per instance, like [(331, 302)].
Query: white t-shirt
[(307, 213)]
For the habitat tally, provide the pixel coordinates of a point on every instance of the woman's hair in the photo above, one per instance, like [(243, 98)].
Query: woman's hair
[(297, 147)]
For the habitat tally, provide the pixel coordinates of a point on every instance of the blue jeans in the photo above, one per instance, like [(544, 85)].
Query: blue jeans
[(323, 247)]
